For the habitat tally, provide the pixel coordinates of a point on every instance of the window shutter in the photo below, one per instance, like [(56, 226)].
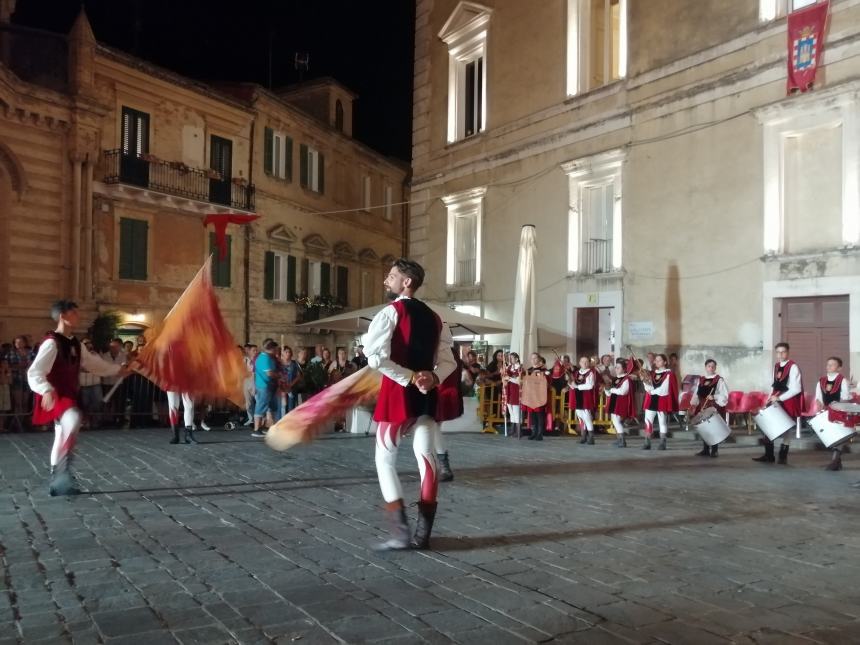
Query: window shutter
[(125, 249), (139, 235), (125, 142), (221, 268), (306, 277), (143, 133), (288, 154), (343, 285), (291, 277), (303, 165), (325, 279), (268, 145), (321, 182), (269, 276)]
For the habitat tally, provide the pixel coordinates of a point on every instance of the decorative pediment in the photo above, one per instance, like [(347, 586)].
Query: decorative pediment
[(314, 243), (281, 233), (388, 260), (466, 18), (368, 255), (344, 251)]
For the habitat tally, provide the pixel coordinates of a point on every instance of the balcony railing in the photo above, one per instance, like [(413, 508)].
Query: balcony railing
[(175, 178), (38, 57), (597, 256)]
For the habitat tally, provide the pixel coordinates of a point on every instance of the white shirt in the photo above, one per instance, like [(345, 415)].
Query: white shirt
[(844, 391), (37, 375), (793, 382), (660, 390), (87, 378), (623, 389), (589, 380), (119, 359), (721, 393), (377, 348)]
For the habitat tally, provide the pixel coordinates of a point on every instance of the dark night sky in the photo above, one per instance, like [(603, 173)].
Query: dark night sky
[(365, 44)]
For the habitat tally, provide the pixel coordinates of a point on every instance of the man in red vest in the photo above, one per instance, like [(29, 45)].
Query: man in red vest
[(54, 379), (408, 343), (787, 391)]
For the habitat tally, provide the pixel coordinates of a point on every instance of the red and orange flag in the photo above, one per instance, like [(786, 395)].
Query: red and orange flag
[(192, 351)]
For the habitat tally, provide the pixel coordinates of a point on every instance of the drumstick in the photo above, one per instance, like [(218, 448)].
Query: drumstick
[(110, 392)]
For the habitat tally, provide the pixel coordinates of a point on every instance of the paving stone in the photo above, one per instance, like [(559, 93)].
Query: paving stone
[(126, 621)]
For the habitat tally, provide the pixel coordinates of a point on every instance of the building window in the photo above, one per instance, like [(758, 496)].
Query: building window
[(221, 267), (811, 155), (596, 43), (342, 285), (134, 142), (388, 209), (338, 115), (465, 210), (280, 277), (133, 246), (465, 34), (278, 155), (594, 215), (366, 193), (770, 9), (312, 169)]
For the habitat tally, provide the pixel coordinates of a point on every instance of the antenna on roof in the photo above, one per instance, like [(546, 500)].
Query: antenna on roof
[(302, 64)]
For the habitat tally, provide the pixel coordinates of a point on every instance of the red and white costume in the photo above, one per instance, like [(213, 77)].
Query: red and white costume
[(449, 405), (512, 391), (788, 384), (713, 386), (620, 404), (56, 369), (403, 338), (661, 398), (832, 388), (582, 396)]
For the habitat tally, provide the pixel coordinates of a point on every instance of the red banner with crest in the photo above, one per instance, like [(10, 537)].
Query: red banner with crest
[(805, 45)]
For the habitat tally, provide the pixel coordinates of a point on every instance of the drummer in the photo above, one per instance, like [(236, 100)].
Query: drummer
[(661, 398), (831, 388), (711, 391), (787, 390)]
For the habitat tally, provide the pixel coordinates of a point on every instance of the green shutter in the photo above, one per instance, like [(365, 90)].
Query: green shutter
[(343, 285), (268, 144), (306, 269), (321, 187), (221, 268), (126, 235), (325, 279), (269, 276), (140, 240), (303, 165), (289, 159), (291, 277)]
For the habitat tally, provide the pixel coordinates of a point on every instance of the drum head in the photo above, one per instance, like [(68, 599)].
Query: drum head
[(846, 406), (703, 416)]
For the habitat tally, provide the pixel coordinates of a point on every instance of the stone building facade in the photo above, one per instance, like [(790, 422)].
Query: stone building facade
[(682, 201), (108, 166)]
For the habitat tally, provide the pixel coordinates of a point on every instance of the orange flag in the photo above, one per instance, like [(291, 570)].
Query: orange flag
[(192, 351)]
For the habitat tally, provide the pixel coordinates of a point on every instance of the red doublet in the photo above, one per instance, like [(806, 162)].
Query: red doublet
[(622, 404), (583, 399), (512, 390), (831, 391), (669, 402), (449, 404), (794, 406), (63, 377), (707, 387), (413, 345)]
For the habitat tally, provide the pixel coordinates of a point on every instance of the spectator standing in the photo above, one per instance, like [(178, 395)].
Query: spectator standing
[(266, 385), (90, 393), (251, 352), (359, 360), (5, 392), (290, 376), (116, 405), (20, 359)]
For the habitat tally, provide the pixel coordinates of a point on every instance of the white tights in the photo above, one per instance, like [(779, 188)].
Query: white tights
[(173, 408), (618, 423), (649, 422), (424, 445), (65, 434), (585, 417)]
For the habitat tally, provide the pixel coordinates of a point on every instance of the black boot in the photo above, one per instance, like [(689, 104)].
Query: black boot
[(622, 442), (426, 515), (445, 474), (714, 450), (835, 461), (398, 528), (647, 444), (767, 457), (705, 451), (63, 481), (783, 455), (189, 435), (584, 438), (175, 435), (591, 438), (662, 445)]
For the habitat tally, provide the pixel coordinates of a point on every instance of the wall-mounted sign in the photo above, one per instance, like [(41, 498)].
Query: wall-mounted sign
[(642, 330)]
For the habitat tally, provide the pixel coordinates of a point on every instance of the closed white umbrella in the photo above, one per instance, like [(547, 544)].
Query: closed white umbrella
[(524, 339)]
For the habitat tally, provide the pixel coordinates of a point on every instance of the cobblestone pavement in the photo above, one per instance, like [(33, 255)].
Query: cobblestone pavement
[(229, 542)]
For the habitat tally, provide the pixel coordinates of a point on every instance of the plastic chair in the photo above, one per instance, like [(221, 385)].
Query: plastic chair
[(733, 406), (750, 404)]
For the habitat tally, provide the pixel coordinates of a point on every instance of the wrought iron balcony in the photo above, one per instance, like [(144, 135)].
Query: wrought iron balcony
[(175, 178)]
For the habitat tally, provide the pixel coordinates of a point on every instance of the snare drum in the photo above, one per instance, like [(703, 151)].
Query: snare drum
[(830, 432), (711, 426), (845, 412), (774, 421)]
